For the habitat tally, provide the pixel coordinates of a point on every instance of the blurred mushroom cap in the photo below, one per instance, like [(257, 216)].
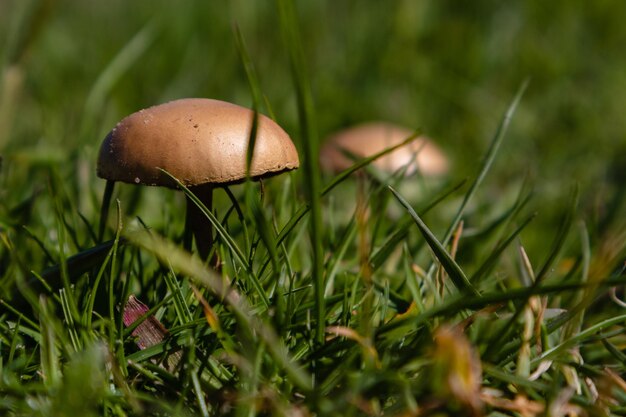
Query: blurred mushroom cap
[(367, 139)]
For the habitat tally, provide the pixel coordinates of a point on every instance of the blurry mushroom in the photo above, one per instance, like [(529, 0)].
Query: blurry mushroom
[(201, 142), (366, 139)]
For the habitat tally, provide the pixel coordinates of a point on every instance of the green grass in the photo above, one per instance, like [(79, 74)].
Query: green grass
[(491, 292)]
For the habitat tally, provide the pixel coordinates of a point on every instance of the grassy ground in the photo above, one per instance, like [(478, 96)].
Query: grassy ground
[(493, 292)]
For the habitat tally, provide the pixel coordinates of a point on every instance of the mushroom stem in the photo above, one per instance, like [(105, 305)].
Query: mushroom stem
[(104, 209), (197, 222)]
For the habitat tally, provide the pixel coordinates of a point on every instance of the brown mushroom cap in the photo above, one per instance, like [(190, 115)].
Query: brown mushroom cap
[(198, 141), (367, 139)]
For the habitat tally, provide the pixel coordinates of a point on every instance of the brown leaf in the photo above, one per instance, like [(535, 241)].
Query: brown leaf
[(150, 331)]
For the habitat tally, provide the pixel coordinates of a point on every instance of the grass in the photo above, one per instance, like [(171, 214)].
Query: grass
[(493, 292)]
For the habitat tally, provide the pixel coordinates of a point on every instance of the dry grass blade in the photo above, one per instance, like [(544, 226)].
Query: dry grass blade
[(369, 351), (457, 370)]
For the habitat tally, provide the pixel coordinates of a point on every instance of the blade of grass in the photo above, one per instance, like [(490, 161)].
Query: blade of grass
[(485, 166), (614, 351), (581, 300), (20, 315), (454, 271), (264, 230), (92, 296), (488, 264), (240, 217), (381, 254), (27, 21), (284, 286), (13, 343), (578, 338), (310, 151), (183, 312), (197, 388), (339, 254), (125, 58), (39, 243), (559, 239), (412, 284), (70, 324), (72, 308), (116, 323), (253, 84), (50, 364)]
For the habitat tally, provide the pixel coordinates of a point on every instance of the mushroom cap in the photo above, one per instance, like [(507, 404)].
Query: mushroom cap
[(198, 141), (367, 139)]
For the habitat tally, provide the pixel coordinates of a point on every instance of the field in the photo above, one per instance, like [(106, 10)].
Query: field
[(494, 290)]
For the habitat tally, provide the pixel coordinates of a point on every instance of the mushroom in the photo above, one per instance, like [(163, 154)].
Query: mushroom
[(201, 142), (367, 139)]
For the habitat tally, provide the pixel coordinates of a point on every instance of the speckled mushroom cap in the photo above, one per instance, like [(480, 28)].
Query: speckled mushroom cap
[(369, 138), (198, 141)]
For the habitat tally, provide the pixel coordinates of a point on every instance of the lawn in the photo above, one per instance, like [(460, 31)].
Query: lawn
[(493, 290)]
